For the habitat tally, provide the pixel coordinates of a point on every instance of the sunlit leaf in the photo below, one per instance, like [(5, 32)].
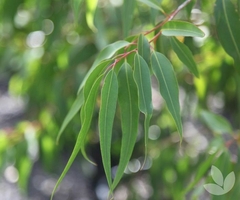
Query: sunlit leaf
[(180, 28), (168, 86), (127, 99), (107, 111), (228, 29), (88, 109), (91, 6), (185, 55), (144, 48), (215, 122), (72, 112), (143, 81), (127, 15)]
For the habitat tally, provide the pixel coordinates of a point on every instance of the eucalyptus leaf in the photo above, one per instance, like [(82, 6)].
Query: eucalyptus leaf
[(143, 81), (127, 16), (107, 111), (103, 57), (163, 70), (127, 99), (181, 28), (228, 29), (152, 4), (144, 48), (72, 112), (87, 112), (88, 108), (185, 55), (93, 73)]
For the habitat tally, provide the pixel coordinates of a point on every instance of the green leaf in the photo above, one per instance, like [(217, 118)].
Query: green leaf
[(91, 6), (93, 73), (107, 111), (144, 48), (127, 99), (72, 112), (105, 54), (152, 4), (143, 81), (109, 51), (88, 109), (168, 86), (215, 122), (228, 29), (185, 55), (180, 28), (127, 16), (76, 7)]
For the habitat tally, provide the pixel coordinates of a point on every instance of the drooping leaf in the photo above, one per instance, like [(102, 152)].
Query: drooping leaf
[(107, 111), (88, 109), (127, 16), (93, 73), (127, 99), (163, 70), (215, 122), (180, 28), (91, 6), (72, 112), (152, 4), (228, 29), (185, 55), (76, 7), (143, 81), (144, 48)]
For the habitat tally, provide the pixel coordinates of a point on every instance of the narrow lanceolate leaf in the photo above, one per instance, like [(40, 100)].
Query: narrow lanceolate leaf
[(105, 54), (91, 6), (127, 98), (76, 7), (143, 81), (152, 4), (87, 112), (144, 48), (228, 29), (163, 70), (107, 111), (72, 112), (94, 73), (127, 16), (185, 55), (180, 28), (88, 109)]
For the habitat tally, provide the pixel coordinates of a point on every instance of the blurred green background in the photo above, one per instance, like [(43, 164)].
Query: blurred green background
[(45, 53)]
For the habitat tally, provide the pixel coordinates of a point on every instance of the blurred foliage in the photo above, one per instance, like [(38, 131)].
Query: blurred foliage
[(45, 53)]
